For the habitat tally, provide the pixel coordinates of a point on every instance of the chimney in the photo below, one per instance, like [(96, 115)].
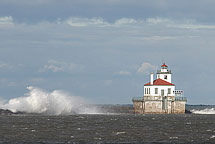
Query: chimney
[(152, 78)]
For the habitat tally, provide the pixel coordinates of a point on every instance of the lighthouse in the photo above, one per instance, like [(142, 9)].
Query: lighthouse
[(160, 95)]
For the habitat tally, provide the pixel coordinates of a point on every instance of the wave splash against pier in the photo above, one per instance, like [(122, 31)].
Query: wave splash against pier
[(52, 103)]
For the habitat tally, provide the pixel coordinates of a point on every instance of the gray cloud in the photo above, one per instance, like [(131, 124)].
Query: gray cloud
[(110, 10)]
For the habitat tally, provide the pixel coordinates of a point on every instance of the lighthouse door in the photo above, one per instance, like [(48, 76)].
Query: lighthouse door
[(164, 100)]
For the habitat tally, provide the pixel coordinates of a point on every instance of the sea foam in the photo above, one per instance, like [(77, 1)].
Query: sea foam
[(204, 111), (52, 103)]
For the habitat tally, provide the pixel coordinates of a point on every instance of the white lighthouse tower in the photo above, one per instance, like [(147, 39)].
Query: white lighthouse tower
[(160, 95), (164, 73)]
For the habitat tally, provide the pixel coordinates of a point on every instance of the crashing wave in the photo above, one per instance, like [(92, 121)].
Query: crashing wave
[(51, 103), (204, 111)]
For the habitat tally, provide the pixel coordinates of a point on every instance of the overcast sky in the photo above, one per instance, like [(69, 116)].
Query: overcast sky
[(104, 50)]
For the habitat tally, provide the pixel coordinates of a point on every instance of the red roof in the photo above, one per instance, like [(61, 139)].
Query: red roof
[(164, 65), (159, 82)]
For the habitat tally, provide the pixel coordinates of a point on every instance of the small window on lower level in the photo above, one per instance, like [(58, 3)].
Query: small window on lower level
[(165, 77), (169, 90), (156, 90)]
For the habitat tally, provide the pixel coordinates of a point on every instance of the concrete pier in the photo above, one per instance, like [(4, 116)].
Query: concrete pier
[(159, 105)]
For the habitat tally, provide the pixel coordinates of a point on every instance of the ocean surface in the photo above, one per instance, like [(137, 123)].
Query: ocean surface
[(119, 127)]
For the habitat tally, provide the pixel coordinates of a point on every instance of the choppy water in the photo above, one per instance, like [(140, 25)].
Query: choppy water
[(63, 118), (119, 128)]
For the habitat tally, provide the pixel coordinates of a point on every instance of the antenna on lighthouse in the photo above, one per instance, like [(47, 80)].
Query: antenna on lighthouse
[(163, 60)]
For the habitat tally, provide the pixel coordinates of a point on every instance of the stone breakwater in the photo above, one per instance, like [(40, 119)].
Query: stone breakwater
[(104, 109)]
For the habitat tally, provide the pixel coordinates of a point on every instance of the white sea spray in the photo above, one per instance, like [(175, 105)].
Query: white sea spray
[(204, 111), (52, 103)]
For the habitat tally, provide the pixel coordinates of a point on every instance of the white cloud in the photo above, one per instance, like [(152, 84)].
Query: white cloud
[(124, 73), (82, 22), (60, 66), (184, 24), (164, 22), (158, 20), (6, 21), (146, 68), (124, 21), (193, 26)]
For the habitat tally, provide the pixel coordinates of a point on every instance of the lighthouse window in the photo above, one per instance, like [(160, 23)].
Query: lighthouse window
[(165, 76), (169, 90), (156, 90), (149, 90)]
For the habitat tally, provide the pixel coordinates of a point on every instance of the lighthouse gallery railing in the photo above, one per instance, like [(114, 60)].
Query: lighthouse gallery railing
[(148, 98)]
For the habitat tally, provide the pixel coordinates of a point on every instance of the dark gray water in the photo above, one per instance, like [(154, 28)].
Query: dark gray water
[(120, 128)]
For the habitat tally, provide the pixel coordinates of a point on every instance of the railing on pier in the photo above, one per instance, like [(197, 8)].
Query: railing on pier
[(179, 93), (148, 98), (178, 98)]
